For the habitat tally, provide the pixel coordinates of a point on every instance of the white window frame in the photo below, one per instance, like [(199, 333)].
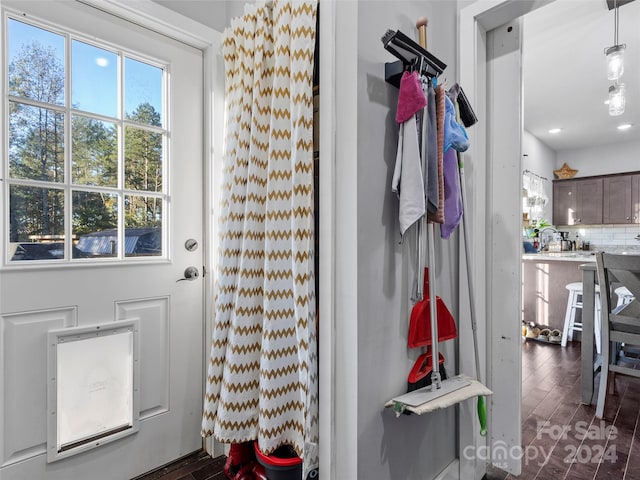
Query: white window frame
[(67, 186)]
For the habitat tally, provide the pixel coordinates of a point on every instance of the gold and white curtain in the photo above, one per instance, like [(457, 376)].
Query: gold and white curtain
[(262, 378)]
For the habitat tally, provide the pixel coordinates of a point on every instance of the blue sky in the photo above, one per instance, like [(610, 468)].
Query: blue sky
[(94, 75)]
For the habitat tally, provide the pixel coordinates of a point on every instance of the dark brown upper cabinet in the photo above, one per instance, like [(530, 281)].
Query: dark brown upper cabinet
[(605, 199), (564, 202), (616, 200), (635, 198), (577, 201)]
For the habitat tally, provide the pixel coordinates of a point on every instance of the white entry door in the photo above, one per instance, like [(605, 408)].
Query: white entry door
[(102, 213)]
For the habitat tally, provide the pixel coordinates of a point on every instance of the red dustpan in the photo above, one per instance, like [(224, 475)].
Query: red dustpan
[(420, 321)]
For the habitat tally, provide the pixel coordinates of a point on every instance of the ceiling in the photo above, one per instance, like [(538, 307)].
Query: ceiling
[(564, 72)]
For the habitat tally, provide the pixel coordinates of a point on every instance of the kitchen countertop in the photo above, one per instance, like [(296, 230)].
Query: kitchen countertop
[(582, 256)]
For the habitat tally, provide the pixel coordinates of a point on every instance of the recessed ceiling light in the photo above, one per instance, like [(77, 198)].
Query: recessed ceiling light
[(624, 126), (555, 130)]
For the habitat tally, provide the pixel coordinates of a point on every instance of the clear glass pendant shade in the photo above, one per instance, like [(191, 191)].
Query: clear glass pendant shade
[(615, 62), (616, 99)]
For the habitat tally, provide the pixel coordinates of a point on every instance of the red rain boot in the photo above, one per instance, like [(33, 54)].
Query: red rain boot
[(240, 454), (246, 472), (259, 473)]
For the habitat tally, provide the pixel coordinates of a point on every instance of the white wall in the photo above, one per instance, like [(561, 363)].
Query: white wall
[(409, 447), (211, 13), (617, 158), (538, 158)]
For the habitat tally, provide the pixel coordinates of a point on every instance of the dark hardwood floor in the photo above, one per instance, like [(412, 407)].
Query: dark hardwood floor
[(561, 438), (198, 466)]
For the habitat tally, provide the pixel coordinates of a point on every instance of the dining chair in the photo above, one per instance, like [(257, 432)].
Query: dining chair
[(620, 323)]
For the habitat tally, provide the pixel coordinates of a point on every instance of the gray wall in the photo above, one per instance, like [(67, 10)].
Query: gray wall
[(409, 447)]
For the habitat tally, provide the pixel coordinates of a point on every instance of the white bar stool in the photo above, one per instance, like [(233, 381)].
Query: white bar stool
[(573, 304), (624, 296)]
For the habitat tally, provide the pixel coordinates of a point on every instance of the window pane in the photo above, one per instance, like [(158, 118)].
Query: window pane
[(94, 79), (142, 92), (36, 143), (36, 63), (95, 224), (143, 226), (143, 160), (94, 152), (36, 223)]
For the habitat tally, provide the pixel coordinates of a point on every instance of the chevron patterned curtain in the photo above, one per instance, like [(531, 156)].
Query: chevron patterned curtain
[(262, 378)]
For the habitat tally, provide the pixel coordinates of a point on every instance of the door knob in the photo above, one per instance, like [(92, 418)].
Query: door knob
[(190, 273)]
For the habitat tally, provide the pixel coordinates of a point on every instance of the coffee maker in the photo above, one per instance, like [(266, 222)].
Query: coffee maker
[(565, 244)]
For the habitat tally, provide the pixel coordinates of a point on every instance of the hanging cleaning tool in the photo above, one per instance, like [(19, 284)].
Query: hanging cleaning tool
[(440, 394), (420, 320), (420, 374), (482, 407)]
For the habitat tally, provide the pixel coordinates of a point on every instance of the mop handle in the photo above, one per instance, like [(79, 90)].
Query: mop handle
[(421, 25), (472, 309), (435, 351), (482, 407)]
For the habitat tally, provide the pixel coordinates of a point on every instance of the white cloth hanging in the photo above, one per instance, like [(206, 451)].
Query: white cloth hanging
[(408, 181), (408, 178)]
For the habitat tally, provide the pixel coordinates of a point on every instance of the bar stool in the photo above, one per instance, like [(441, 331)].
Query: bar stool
[(573, 304), (624, 296)]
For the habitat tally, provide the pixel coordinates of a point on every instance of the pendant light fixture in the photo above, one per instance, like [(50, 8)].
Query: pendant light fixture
[(615, 54), (617, 99), (615, 68)]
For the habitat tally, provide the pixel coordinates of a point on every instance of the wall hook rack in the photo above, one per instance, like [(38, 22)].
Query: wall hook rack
[(410, 55)]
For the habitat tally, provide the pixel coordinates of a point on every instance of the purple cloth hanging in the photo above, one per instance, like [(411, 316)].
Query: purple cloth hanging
[(452, 194)]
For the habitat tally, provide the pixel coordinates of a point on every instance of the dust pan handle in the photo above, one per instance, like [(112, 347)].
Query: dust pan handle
[(435, 351)]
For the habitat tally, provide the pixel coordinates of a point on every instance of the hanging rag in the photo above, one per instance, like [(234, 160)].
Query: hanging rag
[(452, 196), (437, 216), (407, 180), (455, 136), (455, 140)]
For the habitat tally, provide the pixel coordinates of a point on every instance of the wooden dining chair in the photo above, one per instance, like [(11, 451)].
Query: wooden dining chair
[(620, 323)]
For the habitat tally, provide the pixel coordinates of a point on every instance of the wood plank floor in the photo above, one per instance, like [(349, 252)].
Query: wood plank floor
[(561, 438), (198, 466)]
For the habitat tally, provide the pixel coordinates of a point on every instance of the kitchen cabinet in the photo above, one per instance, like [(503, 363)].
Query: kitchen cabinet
[(589, 201), (604, 199), (635, 198), (617, 199), (564, 202), (578, 201), (621, 199)]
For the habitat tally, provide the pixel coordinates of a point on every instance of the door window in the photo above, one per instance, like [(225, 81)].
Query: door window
[(87, 142)]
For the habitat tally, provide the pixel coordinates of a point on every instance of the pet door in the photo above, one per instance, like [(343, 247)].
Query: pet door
[(93, 387)]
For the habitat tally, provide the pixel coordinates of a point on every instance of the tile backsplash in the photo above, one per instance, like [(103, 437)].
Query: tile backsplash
[(609, 238)]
